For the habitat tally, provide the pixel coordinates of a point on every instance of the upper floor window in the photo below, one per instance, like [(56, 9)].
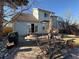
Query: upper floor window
[(45, 15)]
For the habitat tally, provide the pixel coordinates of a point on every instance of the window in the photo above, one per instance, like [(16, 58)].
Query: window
[(43, 27), (45, 15), (36, 28)]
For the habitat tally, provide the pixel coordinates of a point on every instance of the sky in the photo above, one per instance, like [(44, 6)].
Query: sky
[(62, 8)]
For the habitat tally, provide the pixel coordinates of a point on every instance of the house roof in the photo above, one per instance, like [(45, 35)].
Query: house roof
[(44, 10), (24, 17), (53, 16)]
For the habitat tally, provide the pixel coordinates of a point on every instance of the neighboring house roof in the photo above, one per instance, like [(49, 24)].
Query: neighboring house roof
[(24, 17)]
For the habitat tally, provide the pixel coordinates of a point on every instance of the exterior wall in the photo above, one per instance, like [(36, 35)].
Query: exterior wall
[(42, 15), (21, 27), (24, 28), (42, 28), (35, 13)]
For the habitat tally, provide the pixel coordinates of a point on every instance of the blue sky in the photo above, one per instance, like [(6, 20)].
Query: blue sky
[(62, 8)]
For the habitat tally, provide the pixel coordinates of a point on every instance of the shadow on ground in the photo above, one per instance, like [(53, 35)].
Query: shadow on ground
[(20, 50), (23, 43)]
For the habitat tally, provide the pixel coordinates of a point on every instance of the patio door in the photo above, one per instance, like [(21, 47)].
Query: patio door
[(32, 28)]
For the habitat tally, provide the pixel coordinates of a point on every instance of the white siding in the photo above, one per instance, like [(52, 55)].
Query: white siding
[(39, 15), (35, 13), (42, 28), (42, 17), (21, 27)]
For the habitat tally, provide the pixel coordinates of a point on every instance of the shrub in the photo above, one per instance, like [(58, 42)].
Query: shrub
[(7, 30)]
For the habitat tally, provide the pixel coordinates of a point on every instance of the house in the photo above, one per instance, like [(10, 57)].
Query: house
[(37, 22), (24, 23), (44, 18)]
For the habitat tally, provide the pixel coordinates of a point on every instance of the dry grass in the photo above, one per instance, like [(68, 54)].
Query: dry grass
[(24, 53), (76, 40)]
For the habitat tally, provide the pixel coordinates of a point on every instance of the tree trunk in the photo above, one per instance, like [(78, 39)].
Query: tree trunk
[(1, 15)]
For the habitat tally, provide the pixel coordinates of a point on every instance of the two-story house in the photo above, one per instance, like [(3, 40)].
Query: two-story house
[(37, 22), (44, 17)]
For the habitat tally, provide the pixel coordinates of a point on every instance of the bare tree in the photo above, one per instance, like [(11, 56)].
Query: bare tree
[(67, 27), (13, 5)]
